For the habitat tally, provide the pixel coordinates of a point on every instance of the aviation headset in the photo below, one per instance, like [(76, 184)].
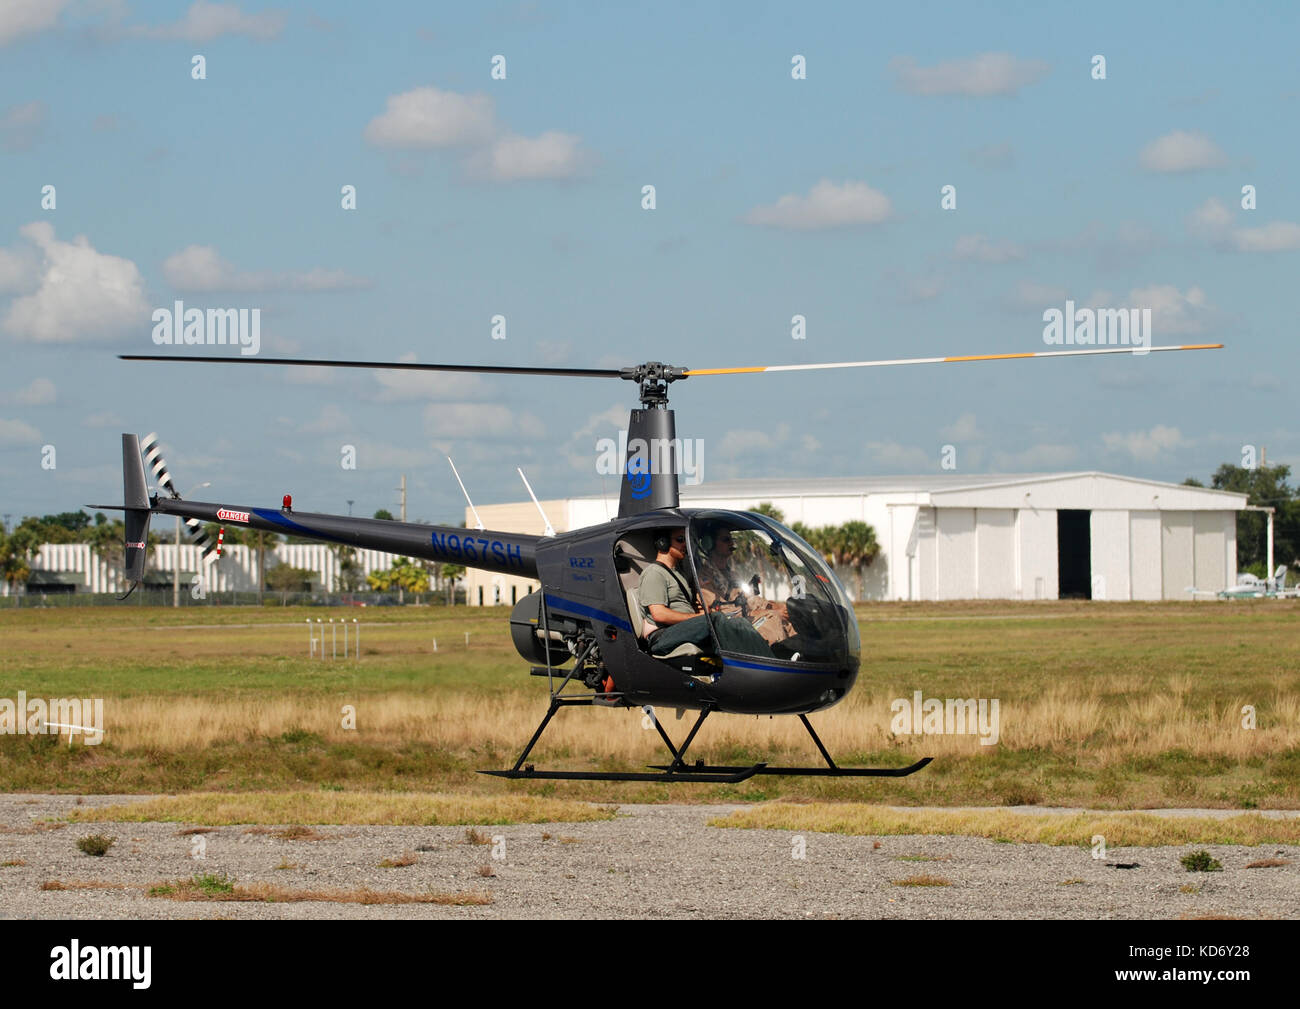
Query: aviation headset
[(664, 540)]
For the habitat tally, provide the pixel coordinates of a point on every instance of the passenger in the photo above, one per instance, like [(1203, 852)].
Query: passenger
[(721, 591)]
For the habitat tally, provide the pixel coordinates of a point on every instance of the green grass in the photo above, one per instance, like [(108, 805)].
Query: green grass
[(1210, 655)]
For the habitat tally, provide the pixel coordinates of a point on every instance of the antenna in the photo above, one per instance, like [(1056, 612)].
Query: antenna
[(466, 493), (550, 529)]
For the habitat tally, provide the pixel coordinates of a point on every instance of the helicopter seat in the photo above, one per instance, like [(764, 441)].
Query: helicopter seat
[(631, 562)]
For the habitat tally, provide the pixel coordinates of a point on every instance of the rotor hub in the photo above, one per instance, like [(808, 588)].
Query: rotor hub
[(653, 378)]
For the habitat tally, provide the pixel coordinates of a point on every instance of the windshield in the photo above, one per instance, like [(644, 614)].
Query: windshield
[(768, 593)]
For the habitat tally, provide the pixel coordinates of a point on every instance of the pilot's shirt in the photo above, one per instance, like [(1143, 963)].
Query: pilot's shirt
[(661, 587)]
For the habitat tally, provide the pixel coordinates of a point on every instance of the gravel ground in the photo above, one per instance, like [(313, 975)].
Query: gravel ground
[(649, 862)]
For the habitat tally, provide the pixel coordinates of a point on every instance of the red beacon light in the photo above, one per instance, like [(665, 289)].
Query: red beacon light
[(288, 503)]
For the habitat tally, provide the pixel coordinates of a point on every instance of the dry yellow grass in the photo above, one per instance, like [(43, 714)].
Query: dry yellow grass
[(188, 890), (222, 809), (1268, 863), (1161, 718), (924, 879), (1119, 829), (81, 884), (406, 858)]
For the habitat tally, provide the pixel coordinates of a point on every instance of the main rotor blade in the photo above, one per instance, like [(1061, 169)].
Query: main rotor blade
[(389, 365), (692, 372)]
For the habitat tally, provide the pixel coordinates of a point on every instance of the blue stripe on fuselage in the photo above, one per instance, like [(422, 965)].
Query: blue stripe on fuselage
[(588, 611), (278, 518)]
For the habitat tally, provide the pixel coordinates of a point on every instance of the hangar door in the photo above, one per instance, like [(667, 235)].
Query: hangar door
[(1074, 553)]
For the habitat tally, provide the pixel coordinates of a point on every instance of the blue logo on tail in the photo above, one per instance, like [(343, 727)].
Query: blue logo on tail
[(638, 476)]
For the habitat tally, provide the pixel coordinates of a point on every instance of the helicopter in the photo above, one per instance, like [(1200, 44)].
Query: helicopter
[(585, 629)]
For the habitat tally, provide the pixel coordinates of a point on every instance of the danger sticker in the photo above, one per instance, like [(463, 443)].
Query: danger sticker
[(226, 515)]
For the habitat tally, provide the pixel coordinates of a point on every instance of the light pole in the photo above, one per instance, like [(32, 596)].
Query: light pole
[(176, 560)]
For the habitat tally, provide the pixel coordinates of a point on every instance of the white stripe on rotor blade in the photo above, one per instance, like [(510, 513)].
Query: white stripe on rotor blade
[(963, 359)]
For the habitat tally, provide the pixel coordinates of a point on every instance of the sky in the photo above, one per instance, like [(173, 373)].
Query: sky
[(1109, 155)]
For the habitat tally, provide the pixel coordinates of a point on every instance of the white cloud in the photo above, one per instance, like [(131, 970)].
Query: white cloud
[(1035, 458), (40, 392), (205, 21), (27, 17), (429, 118), (1181, 151), (827, 205), (331, 419), (20, 270), (1172, 311), (200, 268), (962, 429), (398, 386), (1145, 446), (982, 250), (479, 421), (553, 155), (1213, 220), (901, 458), (981, 76), (1212, 217), (15, 432), (21, 125), (1037, 296), (1276, 236), (993, 156), (82, 294)]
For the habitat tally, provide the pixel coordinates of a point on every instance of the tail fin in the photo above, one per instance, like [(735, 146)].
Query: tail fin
[(135, 496)]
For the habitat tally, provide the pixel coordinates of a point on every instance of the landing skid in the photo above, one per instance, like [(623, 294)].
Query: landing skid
[(679, 770), (831, 770), (816, 772)]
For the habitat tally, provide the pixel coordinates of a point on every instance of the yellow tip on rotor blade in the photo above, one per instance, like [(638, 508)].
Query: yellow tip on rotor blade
[(724, 371)]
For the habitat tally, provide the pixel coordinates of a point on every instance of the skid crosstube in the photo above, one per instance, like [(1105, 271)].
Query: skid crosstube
[(679, 770)]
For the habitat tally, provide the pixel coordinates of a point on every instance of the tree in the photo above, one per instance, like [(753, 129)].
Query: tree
[(451, 573), (384, 513), (856, 546), (283, 578), (17, 551), (1264, 486), (770, 510), (349, 570)]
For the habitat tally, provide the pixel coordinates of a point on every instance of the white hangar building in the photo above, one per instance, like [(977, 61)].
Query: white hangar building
[(1028, 536)]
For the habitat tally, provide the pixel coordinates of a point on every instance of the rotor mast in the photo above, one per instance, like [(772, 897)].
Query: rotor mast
[(649, 477)]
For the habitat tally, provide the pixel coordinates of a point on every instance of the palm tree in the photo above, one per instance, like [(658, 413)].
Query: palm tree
[(856, 546)]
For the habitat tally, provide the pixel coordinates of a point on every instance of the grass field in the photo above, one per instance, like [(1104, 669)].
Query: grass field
[(1105, 705)]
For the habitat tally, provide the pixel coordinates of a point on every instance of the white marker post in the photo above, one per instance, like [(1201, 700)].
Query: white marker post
[(311, 641), (356, 633), (334, 640)]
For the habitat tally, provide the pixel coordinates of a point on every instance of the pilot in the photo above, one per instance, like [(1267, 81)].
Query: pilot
[(669, 603), (678, 611), (721, 592)]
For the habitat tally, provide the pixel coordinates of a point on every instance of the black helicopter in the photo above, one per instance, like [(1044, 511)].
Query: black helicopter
[(587, 611)]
